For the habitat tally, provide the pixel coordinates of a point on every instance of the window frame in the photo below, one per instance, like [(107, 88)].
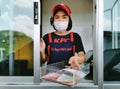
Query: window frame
[(98, 46), (97, 53)]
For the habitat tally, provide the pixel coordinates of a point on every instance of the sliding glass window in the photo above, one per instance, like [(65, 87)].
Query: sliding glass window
[(111, 40), (16, 38)]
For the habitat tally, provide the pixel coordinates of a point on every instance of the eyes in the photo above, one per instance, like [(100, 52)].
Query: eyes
[(61, 17)]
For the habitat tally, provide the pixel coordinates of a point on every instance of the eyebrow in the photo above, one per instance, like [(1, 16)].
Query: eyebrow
[(62, 15)]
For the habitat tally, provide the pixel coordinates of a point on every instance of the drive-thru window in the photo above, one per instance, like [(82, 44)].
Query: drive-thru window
[(23, 22)]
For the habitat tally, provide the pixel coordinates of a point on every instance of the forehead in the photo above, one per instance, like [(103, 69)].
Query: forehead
[(60, 12)]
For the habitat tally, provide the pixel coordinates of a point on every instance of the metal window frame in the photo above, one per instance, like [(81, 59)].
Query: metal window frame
[(98, 45), (98, 56)]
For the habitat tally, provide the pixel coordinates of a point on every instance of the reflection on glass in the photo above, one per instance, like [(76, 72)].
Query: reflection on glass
[(111, 42), (107, 20), (16, 38)]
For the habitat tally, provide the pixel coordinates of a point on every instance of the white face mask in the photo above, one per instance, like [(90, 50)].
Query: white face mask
[(61, 25)]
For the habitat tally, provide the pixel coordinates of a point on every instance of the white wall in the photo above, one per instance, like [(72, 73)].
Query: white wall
[(82, 18)]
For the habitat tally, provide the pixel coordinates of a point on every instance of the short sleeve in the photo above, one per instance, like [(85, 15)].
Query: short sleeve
[(78, 43)]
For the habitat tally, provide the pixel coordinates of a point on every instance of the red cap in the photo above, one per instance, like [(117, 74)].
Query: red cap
[(61, 6)]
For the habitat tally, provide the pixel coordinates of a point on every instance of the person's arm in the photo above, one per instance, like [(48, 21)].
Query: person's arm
[(43, 56), (81, 58), (76, 60), (42, 50)]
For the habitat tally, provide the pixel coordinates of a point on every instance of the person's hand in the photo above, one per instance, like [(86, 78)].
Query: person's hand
[(74, 63), (42, 45)]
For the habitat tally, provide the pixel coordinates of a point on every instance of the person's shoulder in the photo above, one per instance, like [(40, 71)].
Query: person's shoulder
[(75, 34), (46, 35)]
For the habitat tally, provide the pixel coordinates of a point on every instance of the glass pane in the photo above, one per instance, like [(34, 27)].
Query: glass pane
[(16, 38), (107, 20), (111, 42), (108, 4)]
